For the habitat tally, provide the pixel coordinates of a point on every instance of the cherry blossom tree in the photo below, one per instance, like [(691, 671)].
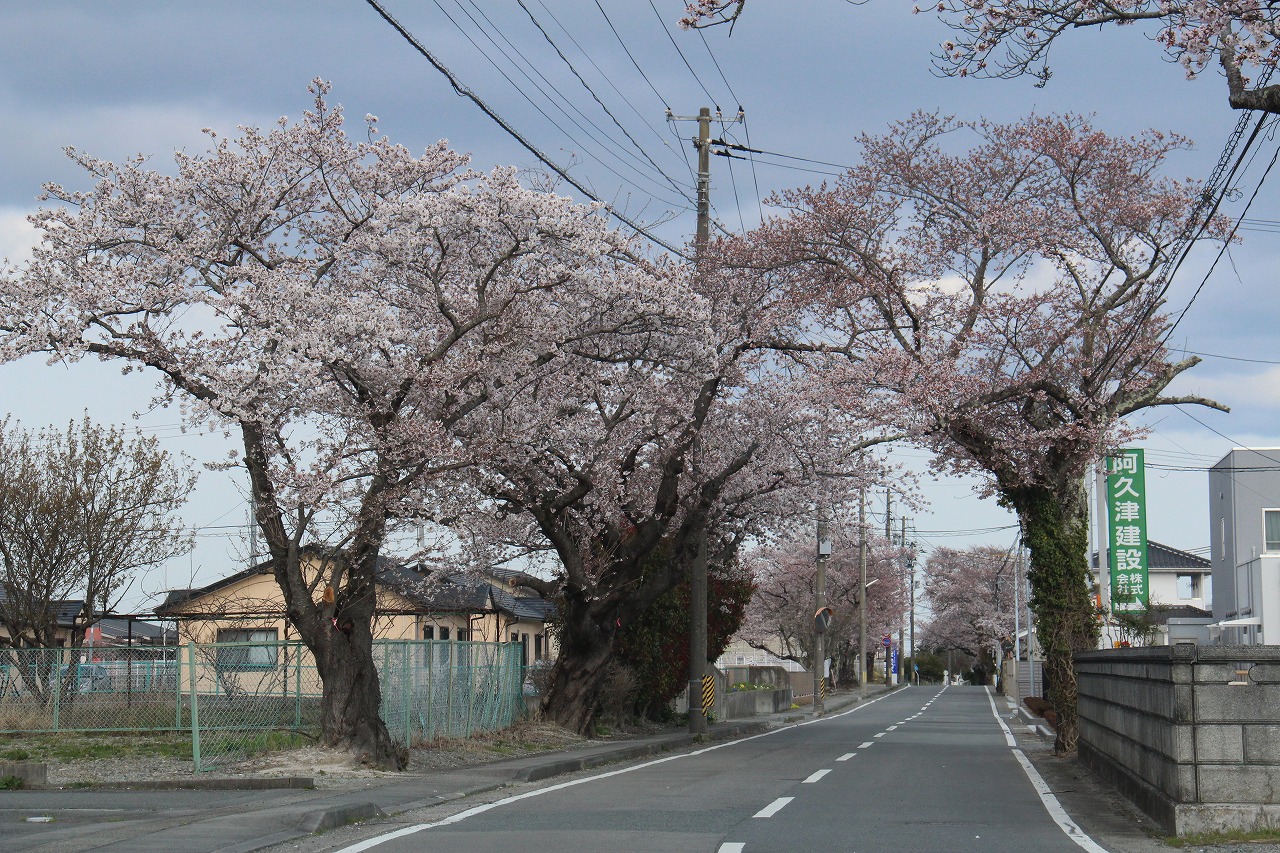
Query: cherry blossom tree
[(1008, 38), (780, 616), (971, 596), (1009, 297), (340, 305), (681, 435)]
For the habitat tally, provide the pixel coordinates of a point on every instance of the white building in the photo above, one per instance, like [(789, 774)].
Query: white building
[(1244, 514)]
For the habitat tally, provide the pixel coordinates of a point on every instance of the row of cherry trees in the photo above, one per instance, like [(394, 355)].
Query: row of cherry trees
[(398, 341)]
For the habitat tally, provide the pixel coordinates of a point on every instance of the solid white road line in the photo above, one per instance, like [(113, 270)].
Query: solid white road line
[(846, 756), (731, 847), (370, 843), (1047, 799), (815, 777), (774, 807)]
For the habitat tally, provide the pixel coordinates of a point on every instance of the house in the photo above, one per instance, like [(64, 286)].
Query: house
[(66, 614), (1244, 517), (1180, 592), (412, 604), (118, 631)]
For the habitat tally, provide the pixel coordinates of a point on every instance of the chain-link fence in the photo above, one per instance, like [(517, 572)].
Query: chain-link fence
[(239, 698)]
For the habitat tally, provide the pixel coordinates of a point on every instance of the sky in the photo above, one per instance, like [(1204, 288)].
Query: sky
[(117, 78)]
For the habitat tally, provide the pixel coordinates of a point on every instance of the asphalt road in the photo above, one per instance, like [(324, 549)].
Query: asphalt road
[(922, 769)]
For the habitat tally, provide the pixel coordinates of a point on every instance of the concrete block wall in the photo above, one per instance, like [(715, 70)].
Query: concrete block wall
[(1189, 733)]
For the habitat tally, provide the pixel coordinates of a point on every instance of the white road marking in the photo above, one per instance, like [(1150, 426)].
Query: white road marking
[(865, 745), (731, 847), (774, 807), (891, 728), (879, 734), (815, 777), (370, 843), (846, 756), (1047, 799)]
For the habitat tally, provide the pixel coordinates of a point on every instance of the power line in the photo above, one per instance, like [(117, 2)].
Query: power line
[(610, 145), (593, 94), (683, 58), (465, 92)]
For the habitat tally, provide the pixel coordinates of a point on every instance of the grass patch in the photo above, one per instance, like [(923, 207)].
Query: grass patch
[(71, 746), (10, 783), (1209, 839)]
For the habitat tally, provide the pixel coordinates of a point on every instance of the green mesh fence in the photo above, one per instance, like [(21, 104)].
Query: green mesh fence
[(239, 698)]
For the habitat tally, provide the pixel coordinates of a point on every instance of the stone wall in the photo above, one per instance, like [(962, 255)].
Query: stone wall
[(1189, 733)]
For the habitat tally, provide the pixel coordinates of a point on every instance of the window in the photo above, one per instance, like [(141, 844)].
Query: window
[(538, 651), (1188, 587), (241, 658), (444, 633), (1271, 529), (429, 632), (463, 635)]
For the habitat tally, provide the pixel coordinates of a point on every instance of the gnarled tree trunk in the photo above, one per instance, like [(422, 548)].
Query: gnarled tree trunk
[(586, 647)]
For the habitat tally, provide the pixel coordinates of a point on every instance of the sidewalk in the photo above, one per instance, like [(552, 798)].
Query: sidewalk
[(208, 815)]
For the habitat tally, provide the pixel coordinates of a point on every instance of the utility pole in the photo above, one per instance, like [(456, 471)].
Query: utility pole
[(862, 593), (820, 620), (1100, 531), (902, 649), (698, 571)]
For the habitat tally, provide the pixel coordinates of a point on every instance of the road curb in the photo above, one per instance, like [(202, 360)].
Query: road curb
[(562, 766), (230, 783), (332, 817)]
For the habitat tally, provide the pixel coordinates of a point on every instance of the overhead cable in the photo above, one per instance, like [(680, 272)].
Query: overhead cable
[(465, 92)]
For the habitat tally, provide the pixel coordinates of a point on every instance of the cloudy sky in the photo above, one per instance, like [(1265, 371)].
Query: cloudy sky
[(119, 77)]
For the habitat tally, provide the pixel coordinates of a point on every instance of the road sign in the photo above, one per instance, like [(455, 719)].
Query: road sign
[(822, 620), (888, 641)]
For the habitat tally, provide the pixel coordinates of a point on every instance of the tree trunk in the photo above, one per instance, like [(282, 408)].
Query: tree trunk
[(351, 698), (586, 647), (1056, 528)]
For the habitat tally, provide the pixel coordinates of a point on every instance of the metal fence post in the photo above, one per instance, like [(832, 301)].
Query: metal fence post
[(431, 685), (453, 676), (406, 694), (297, 686), (56, 687), (195, 708), (471, 687), (177, 690)]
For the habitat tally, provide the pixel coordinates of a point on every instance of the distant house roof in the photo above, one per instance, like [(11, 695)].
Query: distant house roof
[(441, 593), (1164, 613), (123, 629), (67, 611), (1161, 557)]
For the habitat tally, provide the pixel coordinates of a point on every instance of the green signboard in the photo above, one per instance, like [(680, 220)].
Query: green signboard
[(1127, 531)]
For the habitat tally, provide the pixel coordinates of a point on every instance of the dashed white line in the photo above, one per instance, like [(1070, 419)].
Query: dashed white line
[(815, 777), (846, 756), (891, 728), (865, 745), (880, 734), (731, 847), (774, 807)]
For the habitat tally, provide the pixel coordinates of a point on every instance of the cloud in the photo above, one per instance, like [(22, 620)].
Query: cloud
[(17, 236)]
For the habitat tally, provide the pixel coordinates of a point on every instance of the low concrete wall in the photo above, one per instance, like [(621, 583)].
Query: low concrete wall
[(1190, 733), (752, 703)]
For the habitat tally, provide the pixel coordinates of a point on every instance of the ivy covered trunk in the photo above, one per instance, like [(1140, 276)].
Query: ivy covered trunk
[(1055, 526)]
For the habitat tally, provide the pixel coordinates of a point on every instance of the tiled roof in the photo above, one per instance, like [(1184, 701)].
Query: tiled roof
[(1161, 556), (67, 610)]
